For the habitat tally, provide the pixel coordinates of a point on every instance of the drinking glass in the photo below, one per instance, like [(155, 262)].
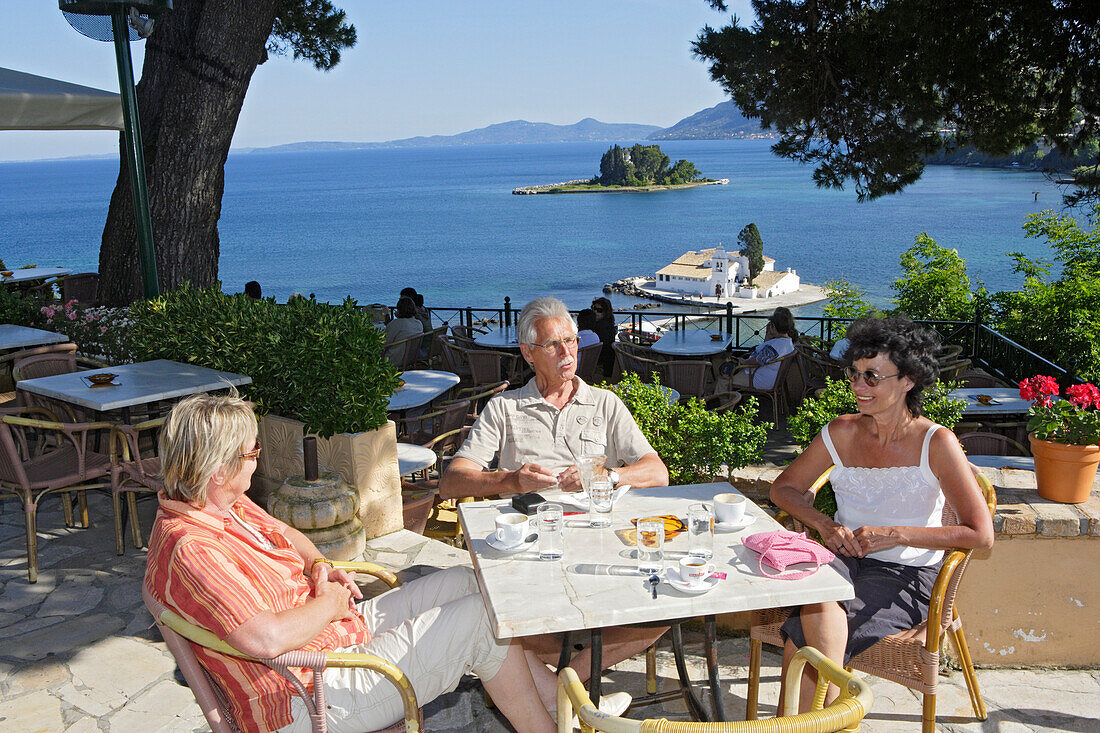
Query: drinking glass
[(600, 493), (550, 524), (651, 545), (589, 466), (701, 531)]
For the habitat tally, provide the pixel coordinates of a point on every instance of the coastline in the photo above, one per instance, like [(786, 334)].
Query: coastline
[(575, 187)]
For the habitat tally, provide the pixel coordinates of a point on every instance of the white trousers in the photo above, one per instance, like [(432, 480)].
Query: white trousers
[(435, 629)]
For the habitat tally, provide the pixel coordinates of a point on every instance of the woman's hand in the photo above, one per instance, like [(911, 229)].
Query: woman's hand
[(874, 539), (335, 591), (841, 540), (334, 575)]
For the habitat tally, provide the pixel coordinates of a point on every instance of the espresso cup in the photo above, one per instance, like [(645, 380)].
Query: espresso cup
[(694, 570), (511, 529), (729, 508)]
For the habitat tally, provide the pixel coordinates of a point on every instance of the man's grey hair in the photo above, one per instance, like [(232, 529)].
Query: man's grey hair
[(537, 310)]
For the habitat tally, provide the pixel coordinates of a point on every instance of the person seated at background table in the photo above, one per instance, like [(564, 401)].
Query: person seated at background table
[(893, 471), (422, 314), (607, 331), (404, 326), (780, 336), (252, 290), (586, 328), (224, 564), (536, 434)]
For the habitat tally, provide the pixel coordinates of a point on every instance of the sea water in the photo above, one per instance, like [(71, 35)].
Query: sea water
[(367, 223)]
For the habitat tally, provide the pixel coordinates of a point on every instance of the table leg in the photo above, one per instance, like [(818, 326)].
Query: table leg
[(566, 650), (697, 710), (596, 650), (710, 634)]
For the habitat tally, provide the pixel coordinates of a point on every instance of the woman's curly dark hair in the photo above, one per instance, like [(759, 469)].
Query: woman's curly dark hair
[(912, 350)]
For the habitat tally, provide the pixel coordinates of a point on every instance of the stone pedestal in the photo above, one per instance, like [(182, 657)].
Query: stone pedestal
[(325, 511)]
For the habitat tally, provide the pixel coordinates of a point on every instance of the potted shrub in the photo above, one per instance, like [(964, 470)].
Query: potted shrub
[(694, 442), (315, 368), (1064, 435)]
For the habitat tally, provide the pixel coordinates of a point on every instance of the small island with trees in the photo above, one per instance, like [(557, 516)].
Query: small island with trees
[(637, 168)]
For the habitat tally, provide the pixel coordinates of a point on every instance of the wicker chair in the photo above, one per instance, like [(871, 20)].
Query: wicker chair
[(689, 377), (991, 444), (454, 357), (478, 397), (588, 362), (42, 457), (48, 365), (135, 468), (817, 366), (843, 714), (179, 635), (952, 370), (778, 393), (83, 287), (910, 658), (7, 382), (422, 428), (493, 367), (403, 353), (629, 358)]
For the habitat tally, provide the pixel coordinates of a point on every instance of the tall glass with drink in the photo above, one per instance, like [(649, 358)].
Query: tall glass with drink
[(600, 495), (551, 524), (651, 545), (701, 531), (589, 466)]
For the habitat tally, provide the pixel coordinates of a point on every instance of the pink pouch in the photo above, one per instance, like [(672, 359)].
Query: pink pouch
[(781, 548)]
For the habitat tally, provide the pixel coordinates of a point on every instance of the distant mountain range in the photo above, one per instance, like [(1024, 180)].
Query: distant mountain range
[(722, 121)]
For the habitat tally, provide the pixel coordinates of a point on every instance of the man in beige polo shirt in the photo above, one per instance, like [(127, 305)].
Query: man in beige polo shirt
[(537, 433)]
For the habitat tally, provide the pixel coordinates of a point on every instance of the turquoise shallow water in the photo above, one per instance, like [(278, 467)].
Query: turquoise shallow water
[(367, 223)]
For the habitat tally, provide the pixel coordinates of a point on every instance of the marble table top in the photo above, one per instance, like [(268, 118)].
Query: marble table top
[(597, 585), (1006, 401), (421, 387), (412, 458), (136, 384), (30, 274), (692, 342), (1020, 463), (505, 337), (20, 337)]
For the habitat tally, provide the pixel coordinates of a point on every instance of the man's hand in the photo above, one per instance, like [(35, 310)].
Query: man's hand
[(532, 477), (570, 480)]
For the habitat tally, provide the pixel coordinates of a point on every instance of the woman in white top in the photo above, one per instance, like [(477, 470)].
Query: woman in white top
[(893, 471), (779, 337)]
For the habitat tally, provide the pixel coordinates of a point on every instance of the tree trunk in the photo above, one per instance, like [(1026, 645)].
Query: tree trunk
[(198, 64)]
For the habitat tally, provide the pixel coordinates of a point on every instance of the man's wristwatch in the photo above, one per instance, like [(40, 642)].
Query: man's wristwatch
[(613, 475)]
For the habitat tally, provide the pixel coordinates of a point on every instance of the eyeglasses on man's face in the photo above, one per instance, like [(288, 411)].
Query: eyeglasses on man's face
[(870, 377), (251, 454), (570, 342)]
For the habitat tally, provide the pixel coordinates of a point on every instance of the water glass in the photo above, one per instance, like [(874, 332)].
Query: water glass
[(550, 524), (589, 466), (600, 493), (651, 545), (701, 531)]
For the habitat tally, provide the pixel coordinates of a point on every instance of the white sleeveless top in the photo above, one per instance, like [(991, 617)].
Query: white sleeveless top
[(907, 496)]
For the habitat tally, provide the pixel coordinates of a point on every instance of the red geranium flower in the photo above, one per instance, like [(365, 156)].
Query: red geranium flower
[(1083, 395), (1039, 389)]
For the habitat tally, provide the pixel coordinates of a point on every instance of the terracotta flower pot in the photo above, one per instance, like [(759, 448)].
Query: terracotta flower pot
[(1064, 472)]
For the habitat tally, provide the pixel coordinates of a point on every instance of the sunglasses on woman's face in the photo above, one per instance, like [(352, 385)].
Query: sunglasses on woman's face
[(870, 377), (251, 454)]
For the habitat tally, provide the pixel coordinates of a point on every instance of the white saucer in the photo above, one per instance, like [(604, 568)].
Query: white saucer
[(672, 577), (492, 541), (734, 526)]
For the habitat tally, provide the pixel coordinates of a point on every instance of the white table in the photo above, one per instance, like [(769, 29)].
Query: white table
[(421, 387), (597, 585), (692, 342), (1006, 401), (136, 384), (412, 458), (31, 274), (1021, 463), (20, 337), (505, 337)]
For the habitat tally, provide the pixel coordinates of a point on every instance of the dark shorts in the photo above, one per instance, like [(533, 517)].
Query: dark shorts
[(888, 598)]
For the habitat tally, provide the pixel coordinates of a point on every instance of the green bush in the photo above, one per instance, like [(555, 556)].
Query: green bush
[(318, 363), (17, 307), (693, 442)]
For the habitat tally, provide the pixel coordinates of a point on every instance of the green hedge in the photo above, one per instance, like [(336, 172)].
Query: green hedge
[(318, 363)]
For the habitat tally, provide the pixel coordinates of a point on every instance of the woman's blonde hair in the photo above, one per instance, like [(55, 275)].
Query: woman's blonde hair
[(203, 433)]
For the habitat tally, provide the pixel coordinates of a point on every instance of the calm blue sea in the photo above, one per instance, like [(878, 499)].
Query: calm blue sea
[(443, 220)]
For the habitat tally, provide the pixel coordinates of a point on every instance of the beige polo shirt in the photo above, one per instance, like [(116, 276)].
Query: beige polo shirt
[(519, 427)]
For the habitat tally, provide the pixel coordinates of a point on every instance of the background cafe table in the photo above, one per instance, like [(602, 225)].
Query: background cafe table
[(136, 384), (505, 337), (692, 342), (32, 274), (20, 337), (421, 387), (597, 584), (1005, 401), (412, 458)]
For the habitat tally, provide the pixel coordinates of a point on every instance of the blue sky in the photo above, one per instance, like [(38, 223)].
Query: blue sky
[(420, 68)]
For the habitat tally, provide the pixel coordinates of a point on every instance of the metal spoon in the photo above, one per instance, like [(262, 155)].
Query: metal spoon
[(654, 581), (530, 538)]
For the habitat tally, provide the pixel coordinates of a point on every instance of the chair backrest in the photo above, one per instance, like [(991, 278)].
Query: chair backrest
[(588, 361), (955, 563), (478, 397), (490, 367), (7, 360), (454, 356), (991, 444), (687, 376), (630, 361), (950, 371), (403, 352), (83, 287)]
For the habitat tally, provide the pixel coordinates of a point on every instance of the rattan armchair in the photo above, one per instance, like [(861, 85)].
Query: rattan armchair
[(43, 457), (478, 397), (135, 468), (741, 380), (403, 353), (991, 444), (489, 367), (7, 361), (48, 365), (588, 362), (689, 377), (629, 358), (844, 713), (179, 635), (910, 658)]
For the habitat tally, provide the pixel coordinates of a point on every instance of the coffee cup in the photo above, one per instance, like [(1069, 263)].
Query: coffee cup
[(694, 570), (729, 508), (511, 529)]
